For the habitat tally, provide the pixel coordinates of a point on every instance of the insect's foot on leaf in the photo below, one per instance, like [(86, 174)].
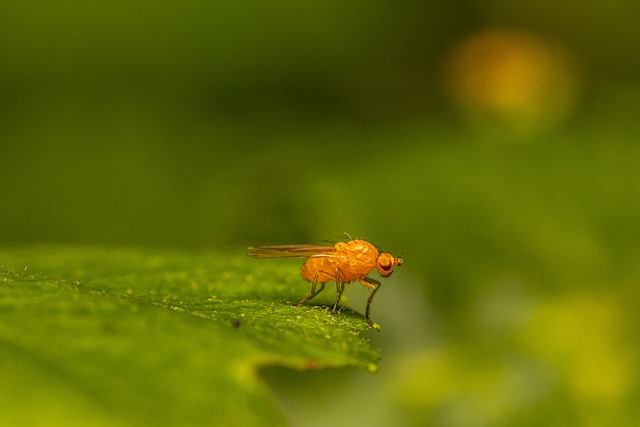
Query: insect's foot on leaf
[(374, 325)]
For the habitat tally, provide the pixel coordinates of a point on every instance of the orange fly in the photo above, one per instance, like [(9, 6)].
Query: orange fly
[(342, 263)]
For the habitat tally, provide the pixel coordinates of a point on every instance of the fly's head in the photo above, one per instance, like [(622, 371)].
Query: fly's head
[(385, 264)]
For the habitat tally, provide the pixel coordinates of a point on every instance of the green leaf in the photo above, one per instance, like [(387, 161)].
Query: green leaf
[(132, 337)]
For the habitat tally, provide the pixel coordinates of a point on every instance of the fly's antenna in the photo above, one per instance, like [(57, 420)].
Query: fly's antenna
[(348, 235)]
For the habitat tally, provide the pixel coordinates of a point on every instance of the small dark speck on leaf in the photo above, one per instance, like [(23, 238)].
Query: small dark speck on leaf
[(108, 328), (235, 323)]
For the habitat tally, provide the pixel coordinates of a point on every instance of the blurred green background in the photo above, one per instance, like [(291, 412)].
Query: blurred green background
[(493, 145)]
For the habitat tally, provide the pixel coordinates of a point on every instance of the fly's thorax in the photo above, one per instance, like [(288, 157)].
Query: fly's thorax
[(356, 258), (351, 261), (360, 250)]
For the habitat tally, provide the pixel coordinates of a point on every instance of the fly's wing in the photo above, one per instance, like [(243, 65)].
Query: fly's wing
[(290, 251)]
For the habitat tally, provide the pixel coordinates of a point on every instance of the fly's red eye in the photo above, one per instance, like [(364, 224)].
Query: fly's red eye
[(385, 264)]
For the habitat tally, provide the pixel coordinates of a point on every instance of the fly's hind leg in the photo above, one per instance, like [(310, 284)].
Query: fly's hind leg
[(313, 292), (374, 285)]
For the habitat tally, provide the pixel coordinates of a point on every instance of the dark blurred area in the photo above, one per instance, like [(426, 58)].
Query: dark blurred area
[(213, 123), (493, 145)]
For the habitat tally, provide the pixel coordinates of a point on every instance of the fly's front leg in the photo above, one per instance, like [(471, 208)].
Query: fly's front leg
[(313, 292), (374, 285)]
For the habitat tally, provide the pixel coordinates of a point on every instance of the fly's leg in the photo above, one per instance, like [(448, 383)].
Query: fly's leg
[(339, 289), (313, 292), (374, 285)]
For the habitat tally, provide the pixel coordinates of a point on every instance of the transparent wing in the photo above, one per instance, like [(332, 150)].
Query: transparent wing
[(290, 251)]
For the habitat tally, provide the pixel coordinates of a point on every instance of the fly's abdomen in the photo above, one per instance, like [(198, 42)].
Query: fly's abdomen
[(325, 269), (318, 269)]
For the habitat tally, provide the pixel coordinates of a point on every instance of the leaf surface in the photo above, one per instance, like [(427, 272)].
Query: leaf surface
[(139, 337)]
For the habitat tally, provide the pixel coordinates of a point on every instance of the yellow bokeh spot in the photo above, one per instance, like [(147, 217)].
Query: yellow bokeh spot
[(583, 338), (513, 77)]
